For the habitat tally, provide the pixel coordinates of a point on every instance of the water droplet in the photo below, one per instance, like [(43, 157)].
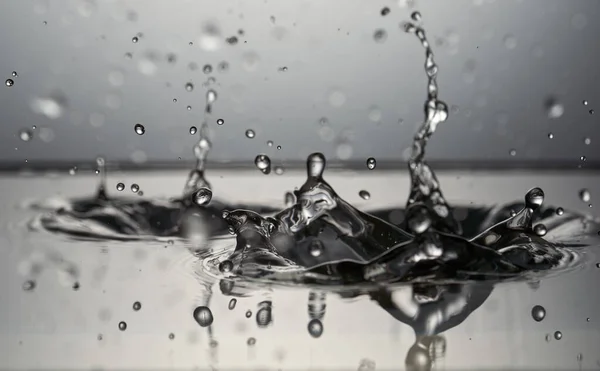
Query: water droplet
[(171, 336), (14, 74), (210, 37), (248, 313), (591, 112), (315, 165), (585, 195), (540, 230), (385, 11), (52, 106), (250, 133), (263, 163), (139, 129), (221, 122), (226, 266), (203, 316), (189, 86), (380, 36), (99, 337), (560, 211), (585, 102), (211, 96), (587, 141), (365, 195), (120, 186), (278, 148), (558, 335), (189, 108), (135, 188), (29, 285), (232, 40), (513, 152), (371, 163), (279, 170), (232, 304), (73, 170), (202, 196), (137, 306), (207, 69), (554, 109), (223, 66), (416, 16), (25, 135), (135, 39), (9, 82), (550, 136), (534, 198), (582, 158), (193, 130), (122, 326), (315, 328), (538, 313), (368, 364), (316, 248)]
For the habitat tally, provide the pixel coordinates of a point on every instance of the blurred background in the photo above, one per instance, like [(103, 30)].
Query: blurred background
[(337, 76)]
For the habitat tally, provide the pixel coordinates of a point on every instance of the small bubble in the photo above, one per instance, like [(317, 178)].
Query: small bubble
[(193, 130), (540, 230), (251, 341), (512, 152), (585, 102), (9, 82), (365, 195), (385, 11), (550, 136), (139, 129), (120, 187), (558, 335), (232, 304), (122, 326), (278, 147), (587, 141), (371, 163), (25, 135), (380, 36), (189, 108), (202, 196), (585, 195), (226, 266), (14, 74), (316, 248), (560, 211), (135, 188), (137, 306), (250, 133), (134, 39), (221, 122), (203, 316), (315, 328), (248, 313), (171, 336), (538, 313), (270, 143), (174, 100), (28, 285), (263, 163), (189, 86), (554, 109)]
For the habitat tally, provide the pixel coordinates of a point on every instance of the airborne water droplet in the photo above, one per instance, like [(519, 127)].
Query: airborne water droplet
[(385, 11), (554, 109), (134, 39), (540, 230), (558, 335), (316, 248), (263, 163), (202, 196), (585, 195), (225, 266), (9, 82), (560, 211), (139, 129), (248, 313), (371, 163), (25, 135), (512, 152), (203, 316), (550, 136), (73, 170), (587, 141), (250, 133), (251, 341), (14, 74), (221, 122), (534, 198), (189, 86), (380, 36), (538, 313), (28, 285), (232, 304), (120, 186), (365, 195), (137, 306), (171, 336), (207, 69), (135, 188), (415, 16), (193, 130), (315, 328), (122, 326)]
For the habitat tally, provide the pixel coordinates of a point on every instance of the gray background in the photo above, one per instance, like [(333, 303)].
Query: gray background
[(499, 62)]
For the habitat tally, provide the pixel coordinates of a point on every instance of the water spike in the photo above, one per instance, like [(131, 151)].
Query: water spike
[(101, 192), (315, 165)]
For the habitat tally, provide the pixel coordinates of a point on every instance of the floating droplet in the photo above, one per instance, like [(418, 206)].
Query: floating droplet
[(29, 285), (315, 328), (232, 304), (223, 66), (202, 196), (587, 141), (137, 306), (278, 148), (250, 133), (591, 112), (25, 135), (135, 188), (583, 158), (135, 39), (73, 170), (264, 315), (279, 170), (211, 96), (263, 163), (385, 11), (232, 40), (538, 313), (226, 266), (9, 82), (203, 316), (554, 109), (189, 108), (510, 42), (189, 86), (585, 102), (560, 211), (316, 248), (380, 36), (512, 152), (139, 129), (558, 335), (248, 313), (193, 130), (120, 186), (585, 195), (365, 195), (416, 16), (207, 69), (122, 326), (221, 122), (371, 163), (14, 74), (550, 136), (540, 230)]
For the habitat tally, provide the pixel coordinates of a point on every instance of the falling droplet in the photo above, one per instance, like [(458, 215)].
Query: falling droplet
[(120, 186), (380, 36), (385, 11), (248, 313), (193, 130), (587, 141), (583, 158), (585, 102), (226, 266), (558, 335), (263, 163), (554, 109), (122, 326), (550, 136), (207, 69), (251, 341), (250, 133), (189, 86), (137, 306), (211, 96), (221, 122), (134, 39), (135, 188), (540, 230), (264, 316), (416, 16), (592, 112), (25, 135), (585, 195), (371, 163), (73, 170), (28, 285), (202, 196), (560, 211), (316, 248), (203, 316), (139, 129), (232, 304), (365, 195), (538, 313), (171, 336), (14, 74), (9, 82), (513, 152), (315, 328)]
